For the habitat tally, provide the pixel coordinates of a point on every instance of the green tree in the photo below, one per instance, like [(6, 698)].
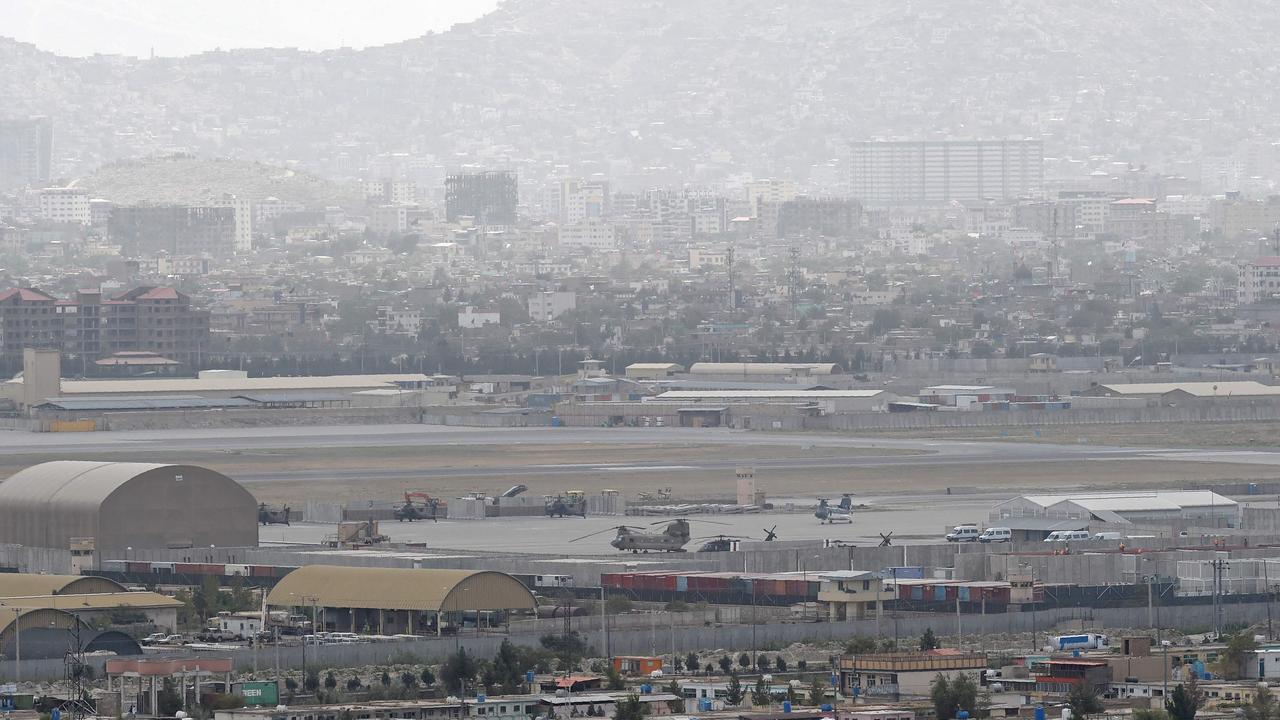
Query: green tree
[(1083, 702), (629, 708), (617, 605), (1239, 647), (760, 696), (744, 661), (726, 663), (764, 663), (691, 662), (951, 695), (408, 679), (780, 663), (817, 691), (385, 679), (674, 688), (354, 684), (168, 702), (330, 682), (929, 641), (428, 677), (312, 681), (1263, 706), (508, 670), (457, 670), (290, 684), (733, 693), (1185, 700), (614, 679), (1150, 714)]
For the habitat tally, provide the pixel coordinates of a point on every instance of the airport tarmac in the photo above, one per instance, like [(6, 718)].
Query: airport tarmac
[(913, 519)]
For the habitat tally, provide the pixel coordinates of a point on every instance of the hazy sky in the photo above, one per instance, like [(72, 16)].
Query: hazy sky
[(185, 27)]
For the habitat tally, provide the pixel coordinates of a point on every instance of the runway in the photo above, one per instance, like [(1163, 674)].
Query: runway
[(921, 453)]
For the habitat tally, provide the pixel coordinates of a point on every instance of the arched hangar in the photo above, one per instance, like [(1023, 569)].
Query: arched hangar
[(121, 505)]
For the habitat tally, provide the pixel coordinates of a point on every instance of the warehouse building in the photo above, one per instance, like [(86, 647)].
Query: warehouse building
[(1189, 393), (111, 506), (1129, 507), (827, 402), (392, 601), (44, 607)]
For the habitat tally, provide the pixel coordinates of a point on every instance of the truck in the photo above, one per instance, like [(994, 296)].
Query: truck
[(1080, 641)]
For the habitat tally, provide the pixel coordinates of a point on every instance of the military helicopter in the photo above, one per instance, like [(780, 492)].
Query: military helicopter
[(273, 516), (771, 534), (672, 538), (721, 543), (418, 506), (573, 502), (830, 514)]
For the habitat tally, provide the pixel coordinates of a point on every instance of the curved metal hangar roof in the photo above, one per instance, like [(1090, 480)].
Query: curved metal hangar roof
[(336, 586), (119, 505)]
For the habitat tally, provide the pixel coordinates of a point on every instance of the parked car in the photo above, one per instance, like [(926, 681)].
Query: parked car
[(996, 535), (154, 638), (964, 533)]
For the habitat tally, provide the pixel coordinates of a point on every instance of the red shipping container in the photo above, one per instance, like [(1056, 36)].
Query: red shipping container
[(139, 567), (186, 568), (260, 570)]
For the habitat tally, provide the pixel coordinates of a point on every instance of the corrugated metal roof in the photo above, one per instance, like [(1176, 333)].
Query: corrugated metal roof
[(292, 397), (707, 368), (400, 589), (178, 402), (180, 386), (753, 394), (1198, 389), (78, 482), (96, 601), (13, 585)]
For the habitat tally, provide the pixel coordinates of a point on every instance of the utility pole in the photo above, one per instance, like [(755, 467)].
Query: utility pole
[(793, 278), (733, 297)]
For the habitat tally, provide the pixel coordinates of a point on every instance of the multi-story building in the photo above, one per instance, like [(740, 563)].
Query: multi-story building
[(937, 172), (488, 197), (770, 191), (590, 234), (549, 305), (243, 216), (831, 217), (389, 220), (1259, 281), (150, 319), (174, 229), (65, 205), (100, 212), (470, 318), (392, 321), (584, 201), (26, 152), (1091, 208)]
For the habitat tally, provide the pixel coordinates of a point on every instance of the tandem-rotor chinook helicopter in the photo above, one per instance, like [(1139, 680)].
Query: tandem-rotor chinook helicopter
[(672, 538)]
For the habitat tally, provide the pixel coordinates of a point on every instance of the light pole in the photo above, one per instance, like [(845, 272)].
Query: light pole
[(17, 639)]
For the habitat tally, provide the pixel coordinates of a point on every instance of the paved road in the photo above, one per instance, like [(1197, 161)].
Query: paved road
[(931, 452)]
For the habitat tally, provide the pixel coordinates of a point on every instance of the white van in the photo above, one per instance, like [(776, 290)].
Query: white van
[(964, 533), (1107, 536), (1067, 536), (996, 535)]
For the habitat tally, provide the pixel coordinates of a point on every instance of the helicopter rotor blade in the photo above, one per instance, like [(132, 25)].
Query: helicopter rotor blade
[(613, 529)]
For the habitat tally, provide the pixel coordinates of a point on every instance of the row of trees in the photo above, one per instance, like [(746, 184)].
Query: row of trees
[(951, 695)]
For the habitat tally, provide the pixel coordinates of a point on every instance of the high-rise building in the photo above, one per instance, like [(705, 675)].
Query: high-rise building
[(937, 172), (26, 152), (243, 218), (1259, 281), (174, 229), (490, 198), (152, 319), (65, 205)]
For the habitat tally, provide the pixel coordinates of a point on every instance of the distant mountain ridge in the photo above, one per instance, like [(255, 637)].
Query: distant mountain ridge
[(707, 86)]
